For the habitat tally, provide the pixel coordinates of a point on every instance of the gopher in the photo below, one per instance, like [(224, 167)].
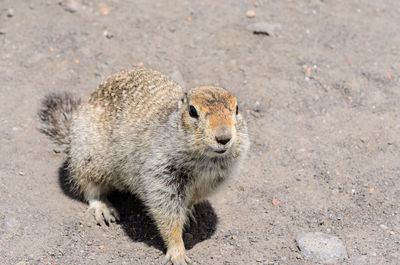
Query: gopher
[(141, 132)]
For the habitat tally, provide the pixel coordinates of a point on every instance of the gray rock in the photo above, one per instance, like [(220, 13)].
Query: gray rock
[(108, 34), (70, 6), (326, 248), (10, 12), (384, 227), (264, 28), (227, 234)]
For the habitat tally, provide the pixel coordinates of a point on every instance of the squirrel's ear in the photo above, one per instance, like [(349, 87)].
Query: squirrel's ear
[(183, 100)]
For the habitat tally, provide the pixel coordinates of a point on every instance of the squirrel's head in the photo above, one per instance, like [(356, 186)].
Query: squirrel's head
[(212, 117)]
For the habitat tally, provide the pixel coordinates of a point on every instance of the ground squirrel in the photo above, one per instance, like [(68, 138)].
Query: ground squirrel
[(141, 132)]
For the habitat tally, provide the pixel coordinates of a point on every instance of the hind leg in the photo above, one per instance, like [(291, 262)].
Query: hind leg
[(96, 196)]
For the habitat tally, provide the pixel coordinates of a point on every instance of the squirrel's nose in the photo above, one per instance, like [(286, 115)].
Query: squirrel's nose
[(223, 135)]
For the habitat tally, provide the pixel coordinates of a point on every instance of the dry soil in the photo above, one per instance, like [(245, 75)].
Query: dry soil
[(320, 93)]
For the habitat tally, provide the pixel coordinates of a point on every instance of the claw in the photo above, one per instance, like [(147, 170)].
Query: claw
[(191, 216), (176, 260), (115, 214), (188, 260), (98, 215), (103, 212), (191, 213)]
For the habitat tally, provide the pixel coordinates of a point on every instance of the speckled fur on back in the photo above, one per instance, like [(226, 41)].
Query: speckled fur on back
[(141, 132)]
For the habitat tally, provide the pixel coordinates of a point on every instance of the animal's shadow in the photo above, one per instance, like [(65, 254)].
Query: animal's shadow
[(137, 223)]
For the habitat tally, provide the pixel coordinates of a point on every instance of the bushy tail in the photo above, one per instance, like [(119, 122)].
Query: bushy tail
[(56, 116)]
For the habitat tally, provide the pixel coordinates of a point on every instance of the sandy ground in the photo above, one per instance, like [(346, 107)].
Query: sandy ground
[(321, 96)]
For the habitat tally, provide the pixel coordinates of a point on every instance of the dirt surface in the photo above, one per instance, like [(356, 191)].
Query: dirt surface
[(320, 92)]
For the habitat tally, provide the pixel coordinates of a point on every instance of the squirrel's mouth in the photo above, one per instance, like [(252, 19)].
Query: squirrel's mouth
[(217, 151)]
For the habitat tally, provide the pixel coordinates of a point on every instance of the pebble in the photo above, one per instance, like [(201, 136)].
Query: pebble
[(108, 34), (10, 12), (227, 234), (257, 106), (171, 28), (275, 202), (384, 227), (250, 14), (264, 28), (328, 249), (255, 114), (70, 6)]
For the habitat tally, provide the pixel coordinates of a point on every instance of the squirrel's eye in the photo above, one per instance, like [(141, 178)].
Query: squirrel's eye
[(193, 112), (237, 109)]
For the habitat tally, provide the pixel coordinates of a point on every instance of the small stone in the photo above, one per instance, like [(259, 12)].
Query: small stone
[(57, 151), (70, 6), (171, 28), (327, 248), (227, 234), (384, 227), (255, 114), (108, 34), (10, 12), (104, 11), (250, 14), (264, 28), (275, 202), (257, 106)]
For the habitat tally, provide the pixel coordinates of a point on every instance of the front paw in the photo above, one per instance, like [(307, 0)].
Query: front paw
[(176, 256)]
